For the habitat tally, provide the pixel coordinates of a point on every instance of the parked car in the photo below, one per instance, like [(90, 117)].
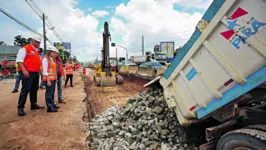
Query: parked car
[(127, 63), (151, 69)]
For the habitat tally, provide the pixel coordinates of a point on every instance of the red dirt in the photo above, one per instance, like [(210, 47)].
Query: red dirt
[(101, 98), (66, 129)]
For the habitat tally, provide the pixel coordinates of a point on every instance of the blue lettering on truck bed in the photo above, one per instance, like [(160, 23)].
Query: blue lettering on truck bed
[(233, 35)]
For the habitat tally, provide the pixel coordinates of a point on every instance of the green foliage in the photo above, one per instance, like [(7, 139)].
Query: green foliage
[(21, 41), (3, 43)]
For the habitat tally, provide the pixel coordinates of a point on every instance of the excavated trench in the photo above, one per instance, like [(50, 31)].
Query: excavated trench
[(129, 117)]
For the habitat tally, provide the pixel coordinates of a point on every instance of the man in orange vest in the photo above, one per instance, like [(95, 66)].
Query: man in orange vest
[(29, 63), (69, 73)]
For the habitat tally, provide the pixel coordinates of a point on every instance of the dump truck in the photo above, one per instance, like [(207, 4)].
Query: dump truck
[(219, 76)]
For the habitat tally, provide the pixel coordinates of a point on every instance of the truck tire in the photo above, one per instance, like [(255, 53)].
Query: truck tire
[(243, 139), (257, 127)]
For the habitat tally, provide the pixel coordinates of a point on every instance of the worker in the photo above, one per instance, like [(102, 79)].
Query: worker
[(76, 66), (49, 77), (60, 75), (4, 62), (18, 78), (69, 73), (42, 83), (29, 63)]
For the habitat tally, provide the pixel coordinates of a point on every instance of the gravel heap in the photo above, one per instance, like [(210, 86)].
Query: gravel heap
[(144, 123)]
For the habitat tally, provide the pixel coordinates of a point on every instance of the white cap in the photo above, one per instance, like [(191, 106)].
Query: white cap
[(37, 38), (51, 48)]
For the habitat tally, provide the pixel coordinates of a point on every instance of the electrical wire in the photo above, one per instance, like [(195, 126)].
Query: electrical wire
[(23, 24), (48, 23)]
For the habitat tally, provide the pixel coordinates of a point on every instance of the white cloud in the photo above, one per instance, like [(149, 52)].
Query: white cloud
[(89, 9), (156, 21), (200, 4), (110, 7), (70, 22), (100, 13)]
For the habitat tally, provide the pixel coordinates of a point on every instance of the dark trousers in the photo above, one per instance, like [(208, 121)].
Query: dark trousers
[(29, 85), (49, 95), (70, 76)]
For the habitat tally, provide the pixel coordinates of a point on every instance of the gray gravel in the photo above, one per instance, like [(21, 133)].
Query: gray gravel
[(144, 123)]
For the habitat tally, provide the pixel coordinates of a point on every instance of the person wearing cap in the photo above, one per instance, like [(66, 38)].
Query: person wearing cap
[(60, 75), (29, 64), (18, 79), (49, 77), (42, 83)]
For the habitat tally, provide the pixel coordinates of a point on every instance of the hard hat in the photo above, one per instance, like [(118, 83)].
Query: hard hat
[(51, 48), (37, 38)]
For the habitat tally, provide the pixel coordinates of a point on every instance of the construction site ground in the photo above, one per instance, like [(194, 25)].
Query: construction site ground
[(66, 129), (101, 98)]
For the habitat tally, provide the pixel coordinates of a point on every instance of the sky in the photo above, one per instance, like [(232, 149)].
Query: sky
[(81, 23)]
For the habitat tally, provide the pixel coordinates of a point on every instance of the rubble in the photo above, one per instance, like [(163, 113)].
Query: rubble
[(145, 122)]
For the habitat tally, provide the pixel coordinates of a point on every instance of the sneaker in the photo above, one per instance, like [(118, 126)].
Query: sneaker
[(15, 91), (21, 112), (33, 107), (62, 101), (52, 110), (56, 107)]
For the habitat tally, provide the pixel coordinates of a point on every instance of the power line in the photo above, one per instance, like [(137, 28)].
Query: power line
[(22, 24), (48, 23)]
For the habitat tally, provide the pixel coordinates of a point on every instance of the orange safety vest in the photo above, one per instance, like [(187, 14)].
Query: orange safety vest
[(32, 62), (51, 69), (69, 69)]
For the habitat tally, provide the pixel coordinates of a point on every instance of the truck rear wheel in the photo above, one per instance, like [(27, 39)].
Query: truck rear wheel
[(243, 139)]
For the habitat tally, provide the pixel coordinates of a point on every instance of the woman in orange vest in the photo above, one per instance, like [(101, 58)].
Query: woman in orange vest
[(49, 74), (69, 73)]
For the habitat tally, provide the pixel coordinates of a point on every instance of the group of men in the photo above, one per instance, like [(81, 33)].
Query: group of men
[(30, 65)]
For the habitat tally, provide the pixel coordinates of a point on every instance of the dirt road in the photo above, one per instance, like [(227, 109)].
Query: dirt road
[(100, 98), (66, 129)]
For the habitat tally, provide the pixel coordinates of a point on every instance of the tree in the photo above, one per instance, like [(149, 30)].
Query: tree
[(156, 48), (3, 43), (21, 41), (66, 54), (75, 59)]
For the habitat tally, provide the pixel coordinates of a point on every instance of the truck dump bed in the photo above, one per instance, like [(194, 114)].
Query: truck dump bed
[(223, 59)]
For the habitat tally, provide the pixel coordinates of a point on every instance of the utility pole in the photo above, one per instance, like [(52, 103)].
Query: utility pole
[(44, 34), (116, 60), (142, 45)]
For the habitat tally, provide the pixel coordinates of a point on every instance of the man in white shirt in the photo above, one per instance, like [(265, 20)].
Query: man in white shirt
[(29, 63)]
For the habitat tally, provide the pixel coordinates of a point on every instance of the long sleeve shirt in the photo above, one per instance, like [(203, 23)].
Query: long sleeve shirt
[(44, 66)]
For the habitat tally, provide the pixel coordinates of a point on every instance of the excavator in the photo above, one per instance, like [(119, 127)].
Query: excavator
[(104, 76)]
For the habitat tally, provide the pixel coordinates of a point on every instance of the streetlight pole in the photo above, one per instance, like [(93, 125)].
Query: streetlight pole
[(116, 60), (113, 44), (125, 49)]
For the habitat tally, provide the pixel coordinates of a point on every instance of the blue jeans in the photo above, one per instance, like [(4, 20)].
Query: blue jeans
[(59, 88), (18, 78), (49, 95), (42, 84)]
